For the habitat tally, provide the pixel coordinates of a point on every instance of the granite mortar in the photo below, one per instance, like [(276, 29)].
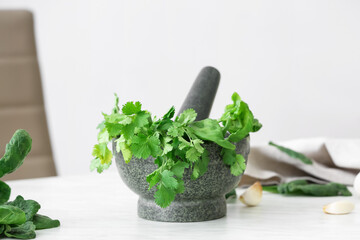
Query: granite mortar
[(203, 198)]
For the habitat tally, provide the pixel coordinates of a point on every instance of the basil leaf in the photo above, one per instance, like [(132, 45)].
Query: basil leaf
[(5, 191), (15, 152), (11, 215), (292, 153), (23, 231), (44, 222), (30, 207), (209, 129)]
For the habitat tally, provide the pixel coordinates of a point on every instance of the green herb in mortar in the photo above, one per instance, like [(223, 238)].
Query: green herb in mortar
[(176, 144), (19, 218)]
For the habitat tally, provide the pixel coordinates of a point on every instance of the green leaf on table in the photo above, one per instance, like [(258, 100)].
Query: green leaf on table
[(44, 222), (209, 129), (23, 231), (304, 188), (15, 152), (292, 153), (11, 215), (5, 191), (30, 207)]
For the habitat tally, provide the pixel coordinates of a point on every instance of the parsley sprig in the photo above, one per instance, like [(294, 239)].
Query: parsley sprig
[(176, 144)]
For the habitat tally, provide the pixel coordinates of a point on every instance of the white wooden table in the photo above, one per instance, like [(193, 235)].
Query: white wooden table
[(101, 207)]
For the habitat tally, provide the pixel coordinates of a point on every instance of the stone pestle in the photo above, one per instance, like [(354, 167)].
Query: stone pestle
[(202, 93)]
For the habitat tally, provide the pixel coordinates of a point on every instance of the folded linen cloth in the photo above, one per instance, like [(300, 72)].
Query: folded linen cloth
[(334, 160)]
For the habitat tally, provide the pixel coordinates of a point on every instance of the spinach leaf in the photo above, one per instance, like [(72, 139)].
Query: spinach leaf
[(44, 222), (292, 153), (5, 191), (209, 129), (303, 188), (15, 152), (23, 231), (30, 207), (2, 228), (11, 215)]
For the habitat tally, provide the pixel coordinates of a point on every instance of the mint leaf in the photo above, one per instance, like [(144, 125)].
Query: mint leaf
[(131, 108)]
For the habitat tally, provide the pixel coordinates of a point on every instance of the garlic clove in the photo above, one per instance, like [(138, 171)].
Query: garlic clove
[(339, 207), (253, 195)]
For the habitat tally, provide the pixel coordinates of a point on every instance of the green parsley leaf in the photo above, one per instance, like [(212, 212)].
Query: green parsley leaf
[(96, 164), (143, 146), (179, 168), (239, 166), (102, 152), (192, 154), (168, 180), (131, 108), (164, 196), (200, 167), (187, 116), (124, 148)]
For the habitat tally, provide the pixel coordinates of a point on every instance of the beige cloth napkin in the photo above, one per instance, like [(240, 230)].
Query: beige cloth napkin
[(334, 160)]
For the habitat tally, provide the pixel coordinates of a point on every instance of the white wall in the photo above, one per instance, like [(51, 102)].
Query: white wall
[(295, 62)]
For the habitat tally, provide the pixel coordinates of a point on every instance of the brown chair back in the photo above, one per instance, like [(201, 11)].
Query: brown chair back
[(21, 97)]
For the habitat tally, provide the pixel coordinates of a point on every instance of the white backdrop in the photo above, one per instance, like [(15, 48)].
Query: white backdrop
[(295, 62)]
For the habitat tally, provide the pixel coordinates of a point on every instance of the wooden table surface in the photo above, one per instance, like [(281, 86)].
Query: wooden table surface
[(101, 207)]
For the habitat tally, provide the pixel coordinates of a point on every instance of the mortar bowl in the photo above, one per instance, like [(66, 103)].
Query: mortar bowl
[(203, 198)]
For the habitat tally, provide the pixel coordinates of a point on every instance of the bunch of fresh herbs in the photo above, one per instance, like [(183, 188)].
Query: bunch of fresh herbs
[(176, 144), (19, 218)]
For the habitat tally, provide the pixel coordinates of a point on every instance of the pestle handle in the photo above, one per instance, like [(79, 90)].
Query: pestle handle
[(202, 93)]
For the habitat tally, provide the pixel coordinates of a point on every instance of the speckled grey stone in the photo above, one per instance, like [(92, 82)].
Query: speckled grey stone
[(203, 199), (202, 93)]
